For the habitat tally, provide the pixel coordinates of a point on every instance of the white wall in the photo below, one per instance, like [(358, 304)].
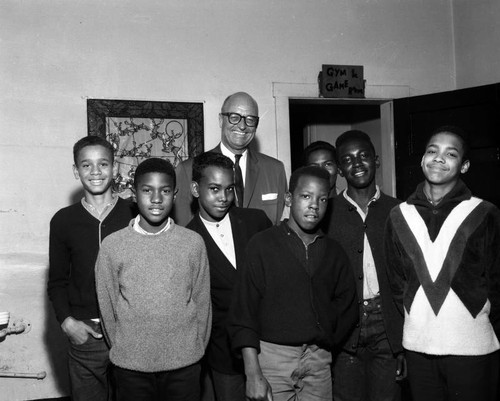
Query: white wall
[(54, 54), (477, 42)]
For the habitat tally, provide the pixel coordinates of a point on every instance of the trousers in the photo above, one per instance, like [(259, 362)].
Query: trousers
[(88, 366), (368, 374), (452, 378), (298, 373)]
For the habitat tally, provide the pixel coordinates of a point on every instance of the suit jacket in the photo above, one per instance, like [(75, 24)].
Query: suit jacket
[(265, 187), (244, 224)]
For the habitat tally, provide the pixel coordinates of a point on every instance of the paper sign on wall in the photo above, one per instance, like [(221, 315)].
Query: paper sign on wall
[(341, 81)]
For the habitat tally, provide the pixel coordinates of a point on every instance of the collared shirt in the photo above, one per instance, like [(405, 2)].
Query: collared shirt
[(370, 280), (243, 161), (222, 234), (105, 211), (140, 230)]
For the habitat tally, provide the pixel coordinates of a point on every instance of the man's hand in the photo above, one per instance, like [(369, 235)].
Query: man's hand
[(400, 367), (257, 387), (77, 331)]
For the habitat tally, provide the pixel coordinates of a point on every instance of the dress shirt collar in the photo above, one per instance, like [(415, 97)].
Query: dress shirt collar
[(140, 230)]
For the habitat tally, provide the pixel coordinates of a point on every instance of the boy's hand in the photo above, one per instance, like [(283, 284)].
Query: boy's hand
[(258, 388), (77, 331), (400, 367)]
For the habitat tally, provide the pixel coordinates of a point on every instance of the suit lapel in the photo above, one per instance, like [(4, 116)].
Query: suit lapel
[(219, 264), (251, 177), (239, 237)]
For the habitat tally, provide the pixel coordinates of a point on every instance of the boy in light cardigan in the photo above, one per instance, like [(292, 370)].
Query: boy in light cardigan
[(153, 289)]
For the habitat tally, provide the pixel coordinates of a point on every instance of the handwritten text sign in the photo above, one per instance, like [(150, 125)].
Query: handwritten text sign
[(341, 81)]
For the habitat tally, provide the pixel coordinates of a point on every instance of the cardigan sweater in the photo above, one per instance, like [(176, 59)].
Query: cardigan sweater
[(348, 228), (154, 297), (444, 267), (74, 241), (292, 294)]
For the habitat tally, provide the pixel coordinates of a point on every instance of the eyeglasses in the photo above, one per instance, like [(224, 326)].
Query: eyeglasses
[(235, 118)]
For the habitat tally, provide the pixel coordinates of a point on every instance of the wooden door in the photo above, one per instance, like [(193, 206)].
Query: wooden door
[(477, 110)]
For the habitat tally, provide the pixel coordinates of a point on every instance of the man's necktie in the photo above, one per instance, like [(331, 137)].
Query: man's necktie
[(238, 181)]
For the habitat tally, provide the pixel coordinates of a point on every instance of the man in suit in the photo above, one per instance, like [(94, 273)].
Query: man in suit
[(260, 180), (226, 230)]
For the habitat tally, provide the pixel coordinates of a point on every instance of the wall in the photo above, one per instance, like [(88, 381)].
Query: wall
[(477, 42), (55, 54)]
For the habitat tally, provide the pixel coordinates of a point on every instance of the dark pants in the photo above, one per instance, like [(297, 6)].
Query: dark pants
[(88, 365), (464, 378), (174, 385), (370, 373), (228, 387)]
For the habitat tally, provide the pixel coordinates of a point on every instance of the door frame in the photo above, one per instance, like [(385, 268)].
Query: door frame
[(381, 95)]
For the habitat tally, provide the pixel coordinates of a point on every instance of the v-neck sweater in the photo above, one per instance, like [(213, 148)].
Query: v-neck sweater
[(444, 268)]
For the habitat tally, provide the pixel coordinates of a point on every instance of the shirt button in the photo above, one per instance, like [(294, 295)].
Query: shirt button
[(435, 212), (360, 251), (360, 277), (365, 303), (365, 225)]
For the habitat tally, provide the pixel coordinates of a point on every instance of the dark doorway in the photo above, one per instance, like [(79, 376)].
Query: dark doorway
[(325, 119), (477, 110), (306, 113)]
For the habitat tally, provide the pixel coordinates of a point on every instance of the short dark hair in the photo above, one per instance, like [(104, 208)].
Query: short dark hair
[(354, 135), (310, 171), (210, 159), (319, 145), (154, 165), (92, 140), (460, 133)]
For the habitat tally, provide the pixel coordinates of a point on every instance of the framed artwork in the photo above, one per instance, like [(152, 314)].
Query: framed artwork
[(141, 129)]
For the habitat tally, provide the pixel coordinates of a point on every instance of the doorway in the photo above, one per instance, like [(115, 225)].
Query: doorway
[(374, 114), (326, 119)]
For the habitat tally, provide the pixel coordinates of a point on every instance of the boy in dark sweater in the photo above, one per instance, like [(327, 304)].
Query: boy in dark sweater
[(295, 299), (76, 233), (443, 252), (226, 230), (153, 288), (370, 360)]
